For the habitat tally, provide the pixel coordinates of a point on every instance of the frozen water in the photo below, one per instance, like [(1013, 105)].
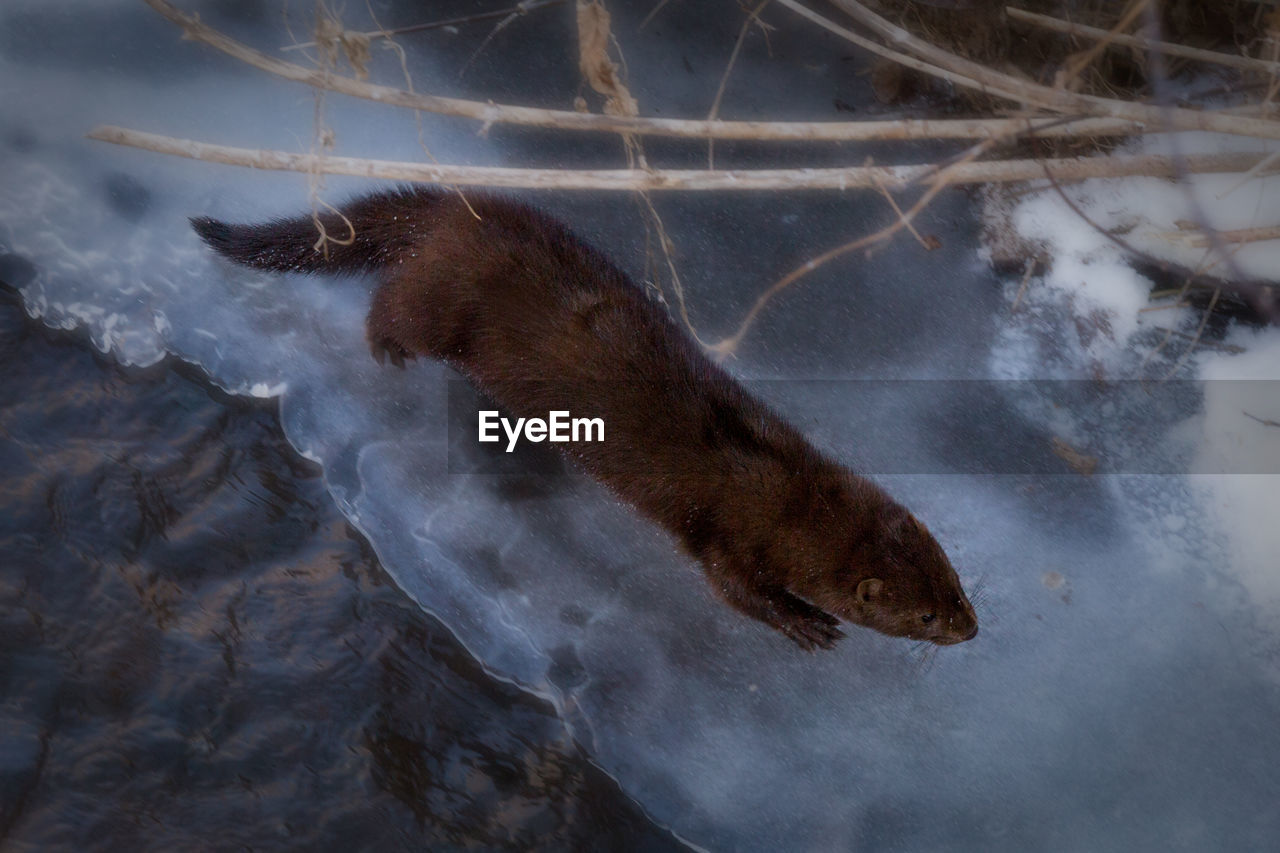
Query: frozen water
[(1122, 693)]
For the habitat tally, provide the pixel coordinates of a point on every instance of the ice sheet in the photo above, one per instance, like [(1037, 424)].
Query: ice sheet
[(1122, 693)]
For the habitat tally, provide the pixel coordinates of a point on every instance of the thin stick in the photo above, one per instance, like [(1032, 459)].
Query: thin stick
[(852, 177), (1231, 348), (888, 196), (1246, 63), (652, 13), (1195, 339), (491, 113), (935, 70), (1240, 235), (1257, 293), (940, 180), (975, 76), (1249, 175), (729, 345), (1081, 62), (1263, 421), (518, 9), (724, 78), (417, 114), (669, 255), (497, 28), (1264, 299), (1170, 334), (1028, 269)]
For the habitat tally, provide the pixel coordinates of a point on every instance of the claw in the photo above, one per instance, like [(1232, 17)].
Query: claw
[(810, 627)]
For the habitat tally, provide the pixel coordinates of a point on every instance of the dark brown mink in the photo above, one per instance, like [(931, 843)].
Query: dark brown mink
[(542, 322)]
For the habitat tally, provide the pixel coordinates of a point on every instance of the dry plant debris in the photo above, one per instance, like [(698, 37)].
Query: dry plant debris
[(1096, 68)]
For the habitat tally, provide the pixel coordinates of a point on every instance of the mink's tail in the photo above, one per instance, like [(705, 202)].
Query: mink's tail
[(370, 233)]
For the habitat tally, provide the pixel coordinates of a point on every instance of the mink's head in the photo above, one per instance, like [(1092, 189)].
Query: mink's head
[(895, 578)]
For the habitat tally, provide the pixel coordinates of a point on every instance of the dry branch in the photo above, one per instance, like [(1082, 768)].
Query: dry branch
[(1246, 63), (714, 112), (1264, 421), (1008, 92), (941, 180), (975, 76), (1198, 239), (490, 113), (519, 9), (1084, 59), (1215, 345), (852, 177)]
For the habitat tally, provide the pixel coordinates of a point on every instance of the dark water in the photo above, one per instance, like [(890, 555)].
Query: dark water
[(198, 652)]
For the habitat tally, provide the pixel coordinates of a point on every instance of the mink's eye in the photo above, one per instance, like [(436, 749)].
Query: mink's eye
[(927, 618)]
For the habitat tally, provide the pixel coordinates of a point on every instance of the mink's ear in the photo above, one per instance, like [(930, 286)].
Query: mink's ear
[(869, 590)]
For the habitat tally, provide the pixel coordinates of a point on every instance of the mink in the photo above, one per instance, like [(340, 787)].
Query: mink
[(540, 321)]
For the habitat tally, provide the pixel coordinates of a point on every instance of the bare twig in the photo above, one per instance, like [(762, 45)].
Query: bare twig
[(971, 74), (595, 35), (1080, 462), (1085, 59), (1251, 174), (852, 177), (653, 13), (888, 196), (484, 43), (1201, 240), (1258, 295), (724, 78), (1005, 90), (1263, 421), (1231, 348), (1263, 299), (669, 256), (331, 43), (1027, 270), (518, 9), (940, 180), (1246, 63), (1195, 338), (1169, 334), (491, 113), (393, 45)]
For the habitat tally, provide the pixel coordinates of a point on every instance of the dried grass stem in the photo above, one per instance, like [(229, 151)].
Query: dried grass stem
[(852, 177)]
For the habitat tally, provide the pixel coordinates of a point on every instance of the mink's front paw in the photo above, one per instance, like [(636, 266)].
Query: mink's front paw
[(808, 626)]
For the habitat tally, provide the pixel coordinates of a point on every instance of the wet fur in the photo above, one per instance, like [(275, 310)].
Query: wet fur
[(541, 321)]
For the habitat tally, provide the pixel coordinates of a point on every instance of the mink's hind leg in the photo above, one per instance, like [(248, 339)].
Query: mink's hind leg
[(808, 626), (388, 327), (385, 348), (425, 312)]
